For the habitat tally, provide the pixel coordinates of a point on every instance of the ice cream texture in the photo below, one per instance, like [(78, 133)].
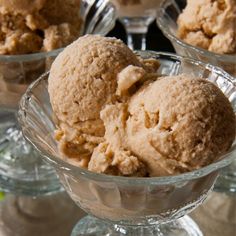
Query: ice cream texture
[(38, 25), (210, 25), (115, 115), (173, 125), (90, 65)]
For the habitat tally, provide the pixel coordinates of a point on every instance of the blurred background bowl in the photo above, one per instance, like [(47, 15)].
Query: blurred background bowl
[(21, 168), (167, 16)]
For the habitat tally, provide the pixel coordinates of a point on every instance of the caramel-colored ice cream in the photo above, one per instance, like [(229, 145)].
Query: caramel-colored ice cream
[(210, 25), (30, 27), (82, 81), (179, 124), (115, 115), (166, 129), (39, 25)]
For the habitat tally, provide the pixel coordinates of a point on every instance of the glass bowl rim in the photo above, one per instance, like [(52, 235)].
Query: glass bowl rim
[(63, 165), (29, 56), (172, 37), (41, 55)]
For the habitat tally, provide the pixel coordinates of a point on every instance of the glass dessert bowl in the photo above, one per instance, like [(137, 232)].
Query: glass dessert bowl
[(167, 21), (127, 205), (21, 168), (136, 16)]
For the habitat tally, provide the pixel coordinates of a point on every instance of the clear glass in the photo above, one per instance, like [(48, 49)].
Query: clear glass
[(21, 169), (136, 16), (217, 215), (127, 205), (166, 19)]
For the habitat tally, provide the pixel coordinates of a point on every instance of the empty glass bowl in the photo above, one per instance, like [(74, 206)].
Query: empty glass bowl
[(21, 168), (166, 19), (128, 205)]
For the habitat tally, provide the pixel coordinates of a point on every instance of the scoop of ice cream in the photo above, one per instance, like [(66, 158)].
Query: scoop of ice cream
[(210, 25), (83, 79), (57, 36), (110, 157), (86, 70), (47, 24), (173, 125), (30, 26), (22, 6), (61, 11), (179, 124), (21, 42)]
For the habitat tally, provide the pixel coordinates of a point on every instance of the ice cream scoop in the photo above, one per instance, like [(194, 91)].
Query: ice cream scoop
[(22, 6), (179, 124), (83, 79), (173, 125), (210, 25), (115, 115), (39, 25)]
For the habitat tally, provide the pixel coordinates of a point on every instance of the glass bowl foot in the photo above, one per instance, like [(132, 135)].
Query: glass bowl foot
[(22, 169), (91, 226)]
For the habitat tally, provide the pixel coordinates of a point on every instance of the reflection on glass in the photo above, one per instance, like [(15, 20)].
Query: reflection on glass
[(136, 16)]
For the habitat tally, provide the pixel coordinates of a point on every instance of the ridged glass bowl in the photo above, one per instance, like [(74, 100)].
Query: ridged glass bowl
[(21, 168), (136, 16), (166, 20), (128, 205)]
